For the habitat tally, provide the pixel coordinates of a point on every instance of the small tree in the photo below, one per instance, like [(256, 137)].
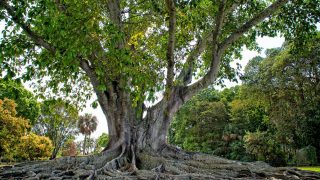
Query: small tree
[(27, 104), (11, 128), (69, 148), (87, 124), (33, 147), (57, 121)]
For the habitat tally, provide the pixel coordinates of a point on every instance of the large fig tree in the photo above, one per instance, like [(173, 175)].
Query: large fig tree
[(143, 59)]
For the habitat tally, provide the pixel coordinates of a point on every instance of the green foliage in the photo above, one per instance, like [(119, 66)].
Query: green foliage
[(287, 84), (103, 140), (306, 156), (57, 121), (198, 126), (265, 148), (32, 147), (136, 49), (276, 110), (313, 168), (12, 128), (27, 104), (247, 115)]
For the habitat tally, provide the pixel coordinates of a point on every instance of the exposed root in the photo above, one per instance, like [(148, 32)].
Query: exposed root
[(202, 166), (171, 163), (116, 167)]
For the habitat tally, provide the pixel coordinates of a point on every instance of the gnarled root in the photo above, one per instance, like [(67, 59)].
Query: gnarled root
[(170, 163), (203, 166)]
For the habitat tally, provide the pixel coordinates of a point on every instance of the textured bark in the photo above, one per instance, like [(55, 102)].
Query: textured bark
[(179, 165)]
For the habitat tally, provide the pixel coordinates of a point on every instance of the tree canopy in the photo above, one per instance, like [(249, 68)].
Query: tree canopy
[(58, 121), (27, 104), (71, 41)]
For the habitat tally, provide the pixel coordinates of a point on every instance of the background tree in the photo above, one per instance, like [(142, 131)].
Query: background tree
[(288, 81), (69, 148), (87, 124), (102, 141), (12, 128), (199, 125), (57, 121), (27, 104)]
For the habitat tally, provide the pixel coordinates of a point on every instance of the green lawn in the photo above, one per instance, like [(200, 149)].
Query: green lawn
[(310, 168)]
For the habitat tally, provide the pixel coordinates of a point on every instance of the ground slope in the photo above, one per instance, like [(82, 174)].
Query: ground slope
[(151, 166)]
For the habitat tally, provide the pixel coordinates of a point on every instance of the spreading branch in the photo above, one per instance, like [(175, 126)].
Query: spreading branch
[(185, 75), (219, 23), (212, 37), (170, 48), (26, 28), (272, 9), (211, 76)]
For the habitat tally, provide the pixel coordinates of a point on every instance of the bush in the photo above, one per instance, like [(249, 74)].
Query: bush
[(306, 156), (32, 147), (264, 147), (69, 149), (11, 128)]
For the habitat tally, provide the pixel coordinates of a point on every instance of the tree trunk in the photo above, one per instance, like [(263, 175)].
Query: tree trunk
[(84, 145), (54, 153), (128, 128)]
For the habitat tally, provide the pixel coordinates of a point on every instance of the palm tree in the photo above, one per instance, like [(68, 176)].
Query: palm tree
[(87, 124)]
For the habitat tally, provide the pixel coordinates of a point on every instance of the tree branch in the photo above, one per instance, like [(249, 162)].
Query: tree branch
[(170, 48), (211, 76), (186, 73), (219, 23), (61, 7), (115, 12), (252, 22), (35, 37)]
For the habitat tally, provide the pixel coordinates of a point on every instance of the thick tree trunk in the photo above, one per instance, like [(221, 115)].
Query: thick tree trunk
[(128, 128)]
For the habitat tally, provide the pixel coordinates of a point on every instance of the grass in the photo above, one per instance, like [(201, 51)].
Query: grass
[(310, 168)]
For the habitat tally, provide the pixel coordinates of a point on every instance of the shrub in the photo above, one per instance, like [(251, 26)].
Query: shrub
[(69, 149), (306, 156), (264, 147), (11, 128), (32, 147)]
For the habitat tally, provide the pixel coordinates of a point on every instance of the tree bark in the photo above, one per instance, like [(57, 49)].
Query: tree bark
[(84, 145)]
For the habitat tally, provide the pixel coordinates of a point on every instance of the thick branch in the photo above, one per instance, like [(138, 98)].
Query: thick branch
[(219, 23), (84, 64), (61, 7), (272, 9), (115, 12), (35, 37), (211, 76), (186, 73), (170, 48)]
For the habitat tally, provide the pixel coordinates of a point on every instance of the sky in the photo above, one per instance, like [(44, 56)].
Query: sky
[(265, 43)]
